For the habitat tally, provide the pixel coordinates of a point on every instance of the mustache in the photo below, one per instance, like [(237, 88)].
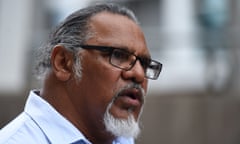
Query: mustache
[(131, 86)]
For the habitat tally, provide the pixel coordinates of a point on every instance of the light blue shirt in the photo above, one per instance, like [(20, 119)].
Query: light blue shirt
[(40, 123)]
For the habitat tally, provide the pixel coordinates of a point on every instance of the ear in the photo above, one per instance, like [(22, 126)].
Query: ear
[(62, 62)]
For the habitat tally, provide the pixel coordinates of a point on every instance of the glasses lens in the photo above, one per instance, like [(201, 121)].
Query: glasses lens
[(122, 59), (153, 70), (125, 60)]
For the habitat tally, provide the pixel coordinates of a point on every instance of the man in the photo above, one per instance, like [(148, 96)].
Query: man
[(95, 69)]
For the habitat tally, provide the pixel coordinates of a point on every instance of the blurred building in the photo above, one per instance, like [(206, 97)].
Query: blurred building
[(195, 100)]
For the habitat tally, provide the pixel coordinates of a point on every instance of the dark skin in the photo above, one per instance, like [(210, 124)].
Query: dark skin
[(84, 102)]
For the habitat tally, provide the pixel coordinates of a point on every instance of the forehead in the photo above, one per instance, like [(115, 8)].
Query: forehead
[(118, 31)]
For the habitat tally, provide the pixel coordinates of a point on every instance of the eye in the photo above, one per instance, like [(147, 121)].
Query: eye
[(121, 55)]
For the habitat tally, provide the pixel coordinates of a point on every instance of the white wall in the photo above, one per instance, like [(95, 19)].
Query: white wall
[(183, 68), (15, 26)]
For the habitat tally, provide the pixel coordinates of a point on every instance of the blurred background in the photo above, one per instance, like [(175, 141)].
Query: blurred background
[(196, 99)]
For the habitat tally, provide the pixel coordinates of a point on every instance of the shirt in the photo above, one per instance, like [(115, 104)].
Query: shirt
[(40, 123)]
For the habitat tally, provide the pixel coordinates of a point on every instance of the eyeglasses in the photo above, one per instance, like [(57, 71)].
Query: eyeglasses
[(123, 59)]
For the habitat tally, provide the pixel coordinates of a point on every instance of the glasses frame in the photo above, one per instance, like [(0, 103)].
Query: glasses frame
[(110, 50)]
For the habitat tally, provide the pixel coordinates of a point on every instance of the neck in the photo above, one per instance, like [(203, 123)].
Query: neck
[(58, 95)]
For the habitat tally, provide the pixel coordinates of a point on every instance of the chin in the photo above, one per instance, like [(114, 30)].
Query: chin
[(121, 127)]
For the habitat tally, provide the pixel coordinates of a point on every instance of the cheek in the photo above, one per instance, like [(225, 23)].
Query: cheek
[(104, 80), (108, 83)]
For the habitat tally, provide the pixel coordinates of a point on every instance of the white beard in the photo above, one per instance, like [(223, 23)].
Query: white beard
[(121, 127)]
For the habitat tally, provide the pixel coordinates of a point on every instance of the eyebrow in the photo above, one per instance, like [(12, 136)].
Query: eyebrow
[(148, 56), (124, 48)]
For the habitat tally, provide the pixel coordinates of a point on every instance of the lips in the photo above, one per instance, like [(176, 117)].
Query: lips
[(131, 97)]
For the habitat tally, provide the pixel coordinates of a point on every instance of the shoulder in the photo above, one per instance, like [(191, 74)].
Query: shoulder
[(22, 130)]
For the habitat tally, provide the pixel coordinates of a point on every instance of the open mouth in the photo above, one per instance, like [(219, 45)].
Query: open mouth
[(131, 97), (129, 101)]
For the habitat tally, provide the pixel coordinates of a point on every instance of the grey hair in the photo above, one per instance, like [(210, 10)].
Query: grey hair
[(72, 32)]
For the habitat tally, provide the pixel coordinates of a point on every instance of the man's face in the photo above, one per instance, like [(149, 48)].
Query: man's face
[(101, 82)]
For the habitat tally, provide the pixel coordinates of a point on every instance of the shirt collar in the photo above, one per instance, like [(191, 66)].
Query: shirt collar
[(56, 128)]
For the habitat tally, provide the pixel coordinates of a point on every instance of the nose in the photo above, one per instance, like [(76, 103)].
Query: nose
[(136, 73)]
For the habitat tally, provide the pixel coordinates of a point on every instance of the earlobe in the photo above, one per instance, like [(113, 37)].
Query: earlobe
[(62, 61)]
